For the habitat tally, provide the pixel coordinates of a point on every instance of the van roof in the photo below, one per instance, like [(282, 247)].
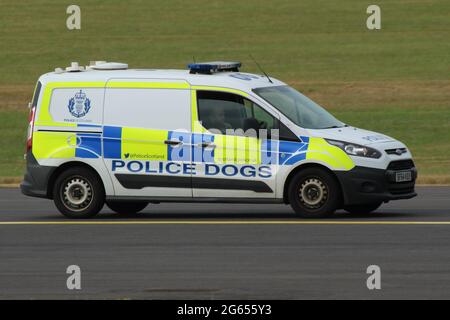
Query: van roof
[(236, 80)]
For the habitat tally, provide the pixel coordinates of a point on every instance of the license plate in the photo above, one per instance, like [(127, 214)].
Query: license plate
[(403, 176)]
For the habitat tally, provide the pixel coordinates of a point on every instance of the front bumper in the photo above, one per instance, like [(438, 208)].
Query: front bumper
[(363, 185)]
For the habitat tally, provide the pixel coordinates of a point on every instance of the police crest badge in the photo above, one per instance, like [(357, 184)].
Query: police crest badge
[(79, 105)]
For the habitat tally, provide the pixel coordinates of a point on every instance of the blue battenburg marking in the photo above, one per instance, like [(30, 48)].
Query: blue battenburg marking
[(304, 139), (179, 153), (295, 158), (290, 146), (112, 145), (269, 151), (292, 152), (90, 146), (304, 147), (199, 153)]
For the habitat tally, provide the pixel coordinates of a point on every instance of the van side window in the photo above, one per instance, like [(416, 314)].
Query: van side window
[(286, 134), (220, 111), (266, 120)]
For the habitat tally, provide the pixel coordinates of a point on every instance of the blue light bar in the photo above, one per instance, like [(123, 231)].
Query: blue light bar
[(215, 66)]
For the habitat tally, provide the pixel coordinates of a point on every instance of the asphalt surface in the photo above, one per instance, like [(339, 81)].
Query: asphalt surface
[(224, 251)]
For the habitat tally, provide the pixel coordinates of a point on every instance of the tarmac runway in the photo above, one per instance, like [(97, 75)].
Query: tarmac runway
[(226, 251)]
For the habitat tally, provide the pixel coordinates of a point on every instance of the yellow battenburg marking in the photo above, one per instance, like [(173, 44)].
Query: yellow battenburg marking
[(147, 85), (196, 126), (144, 144), (220, 153), (319, 149), (44, 118), (253, 151), (76, 84), (236, 150), (240, 149), (229, 149), (140, 143), (213, 88), (54, 145)]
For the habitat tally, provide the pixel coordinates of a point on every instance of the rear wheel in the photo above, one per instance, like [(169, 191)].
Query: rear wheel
[(126, 207), (78, 193), (362, 208), (314, 193)]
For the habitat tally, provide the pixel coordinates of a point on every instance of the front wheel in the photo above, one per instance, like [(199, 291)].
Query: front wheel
[(127, 207), (362, 208), (314, 193), (78, 193)]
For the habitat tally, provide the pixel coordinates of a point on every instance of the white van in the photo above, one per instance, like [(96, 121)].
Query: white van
[(109, 134)]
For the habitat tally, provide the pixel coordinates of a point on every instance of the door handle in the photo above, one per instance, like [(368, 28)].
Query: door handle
[(173, 142), (206, 145)]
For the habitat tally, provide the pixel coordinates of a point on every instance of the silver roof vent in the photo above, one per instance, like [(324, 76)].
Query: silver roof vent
[(103, 65)]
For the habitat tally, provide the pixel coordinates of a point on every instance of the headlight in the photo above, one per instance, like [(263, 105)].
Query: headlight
[(355, 149)]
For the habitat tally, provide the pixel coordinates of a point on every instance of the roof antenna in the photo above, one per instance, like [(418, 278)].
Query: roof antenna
[(193, 58), (261, 69)]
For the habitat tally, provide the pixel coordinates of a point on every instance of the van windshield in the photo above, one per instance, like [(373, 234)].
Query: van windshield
[(298, 108)]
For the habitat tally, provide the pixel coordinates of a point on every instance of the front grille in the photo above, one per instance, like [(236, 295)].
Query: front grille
[(397, 151), (399, 188), (401, 165)]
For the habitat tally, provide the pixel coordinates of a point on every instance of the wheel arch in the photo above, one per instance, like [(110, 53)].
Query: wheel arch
[(65, 166), (300, 167)]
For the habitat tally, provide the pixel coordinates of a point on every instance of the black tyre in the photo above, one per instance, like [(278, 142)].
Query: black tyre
[(314, 193), (78, 193), (362, 208), (126, 207)]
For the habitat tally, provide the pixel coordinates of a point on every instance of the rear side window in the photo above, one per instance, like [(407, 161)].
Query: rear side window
[(37, 92)]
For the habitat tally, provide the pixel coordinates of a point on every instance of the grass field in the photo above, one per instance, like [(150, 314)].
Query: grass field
[(394, 80)]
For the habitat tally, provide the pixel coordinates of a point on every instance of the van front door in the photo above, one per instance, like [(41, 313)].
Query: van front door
[(232, 147)]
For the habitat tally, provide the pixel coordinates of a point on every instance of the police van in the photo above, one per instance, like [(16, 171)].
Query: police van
[(105, 133)]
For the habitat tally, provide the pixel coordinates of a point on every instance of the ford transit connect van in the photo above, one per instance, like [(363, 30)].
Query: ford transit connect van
[(108, 134)]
